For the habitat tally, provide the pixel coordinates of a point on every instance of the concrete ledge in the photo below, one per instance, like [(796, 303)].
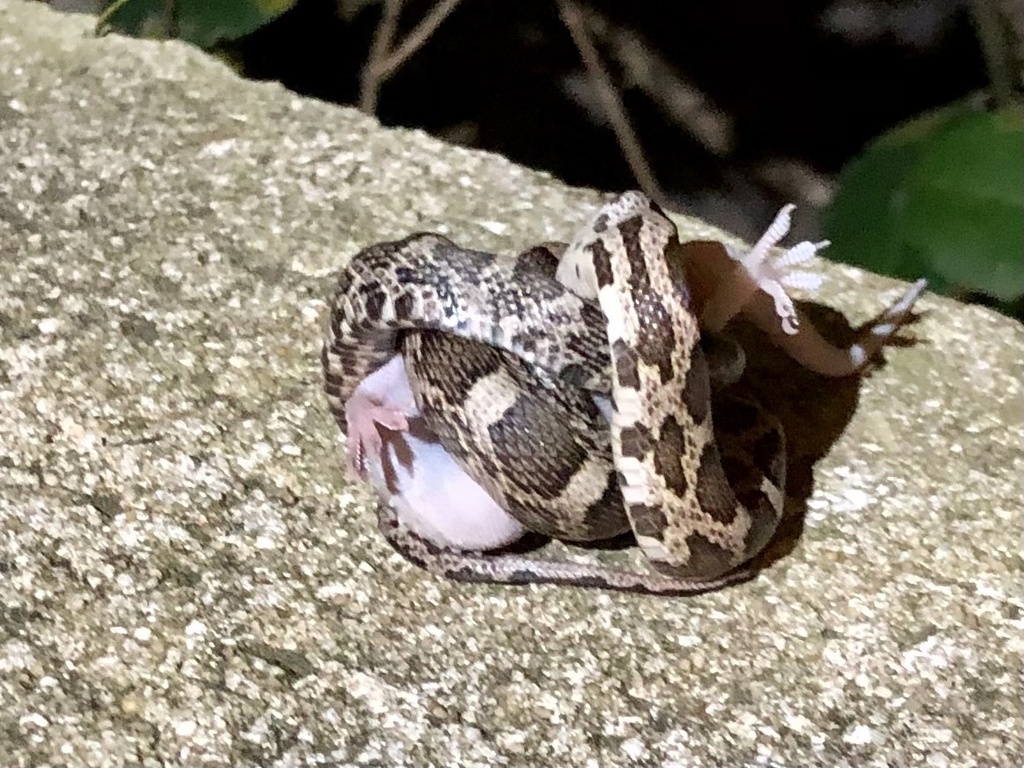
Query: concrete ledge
[(187, 579)]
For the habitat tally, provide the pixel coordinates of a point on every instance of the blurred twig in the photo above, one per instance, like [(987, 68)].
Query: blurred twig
[(1013, 14), (575, 20), (992, 34), (370, 80), (682, 101), (384, 59)]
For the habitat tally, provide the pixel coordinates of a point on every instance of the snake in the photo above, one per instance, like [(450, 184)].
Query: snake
[(576, 390)]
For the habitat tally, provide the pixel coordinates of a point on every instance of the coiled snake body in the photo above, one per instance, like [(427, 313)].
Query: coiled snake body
[(565, 391)]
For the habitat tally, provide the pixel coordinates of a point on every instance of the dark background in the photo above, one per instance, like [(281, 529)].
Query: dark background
[(800, 87)]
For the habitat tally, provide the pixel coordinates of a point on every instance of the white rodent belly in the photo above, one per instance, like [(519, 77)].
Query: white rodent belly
[(437, 500), (431, 494)]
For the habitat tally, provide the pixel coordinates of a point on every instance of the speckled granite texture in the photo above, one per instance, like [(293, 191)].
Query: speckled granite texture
[(187, 579)]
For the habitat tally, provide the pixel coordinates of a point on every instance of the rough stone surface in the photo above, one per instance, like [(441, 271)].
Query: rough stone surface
[(187, 579)]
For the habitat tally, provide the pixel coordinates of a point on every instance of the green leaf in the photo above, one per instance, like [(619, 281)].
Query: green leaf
[(940, 197), (204, 23), (863, 222), (965, 205)]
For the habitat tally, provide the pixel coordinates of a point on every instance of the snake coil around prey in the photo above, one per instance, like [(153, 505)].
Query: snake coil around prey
[(568, 391)]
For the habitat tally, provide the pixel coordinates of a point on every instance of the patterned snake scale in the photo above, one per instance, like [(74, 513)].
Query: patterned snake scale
[(570, 391)]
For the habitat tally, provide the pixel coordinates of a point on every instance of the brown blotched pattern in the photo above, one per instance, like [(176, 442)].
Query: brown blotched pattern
[(426, 282), (505, 362), (525, 449), (678, 498)]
